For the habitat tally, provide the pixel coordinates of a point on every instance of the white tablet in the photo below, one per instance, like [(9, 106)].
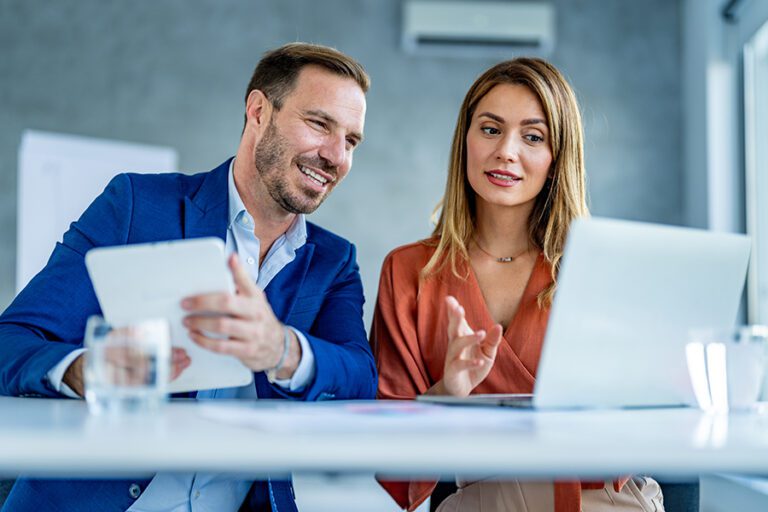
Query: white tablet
[(139, 281)]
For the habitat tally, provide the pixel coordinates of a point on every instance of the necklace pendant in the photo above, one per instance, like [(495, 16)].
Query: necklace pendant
[(506, 259)]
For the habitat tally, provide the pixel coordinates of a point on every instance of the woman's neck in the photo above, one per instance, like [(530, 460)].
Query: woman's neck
[(502, 230)]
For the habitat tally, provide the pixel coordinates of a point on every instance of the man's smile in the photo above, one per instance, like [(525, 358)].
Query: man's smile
[(316, 178)]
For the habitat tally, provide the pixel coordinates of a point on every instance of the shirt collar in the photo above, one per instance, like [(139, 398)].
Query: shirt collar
[(296, 235)]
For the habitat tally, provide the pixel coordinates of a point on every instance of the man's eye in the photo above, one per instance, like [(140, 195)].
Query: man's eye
[(351, 143), (490, 130), (318, 123)]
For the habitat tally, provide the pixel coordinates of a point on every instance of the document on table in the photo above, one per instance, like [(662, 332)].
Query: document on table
[(367, 416)]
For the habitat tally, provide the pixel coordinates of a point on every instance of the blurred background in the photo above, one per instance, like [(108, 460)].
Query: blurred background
[(661, 85), (173, 73)]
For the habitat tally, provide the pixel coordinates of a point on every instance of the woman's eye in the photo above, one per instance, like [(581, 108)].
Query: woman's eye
[(490, 130), (534, 138)]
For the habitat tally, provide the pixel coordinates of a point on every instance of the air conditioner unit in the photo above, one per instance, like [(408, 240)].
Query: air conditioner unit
[(478, 28)]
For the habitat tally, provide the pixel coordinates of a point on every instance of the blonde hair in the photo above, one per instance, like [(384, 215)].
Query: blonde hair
[(563, 197)]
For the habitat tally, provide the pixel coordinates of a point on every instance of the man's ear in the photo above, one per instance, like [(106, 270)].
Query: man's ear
[(258, 111)]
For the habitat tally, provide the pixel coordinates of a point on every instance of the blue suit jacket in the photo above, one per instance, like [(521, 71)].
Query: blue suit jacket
[(319, 293)]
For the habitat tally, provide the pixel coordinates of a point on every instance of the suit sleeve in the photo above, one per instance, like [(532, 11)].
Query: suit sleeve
[(344, 366), (46, 321), (402, 373)]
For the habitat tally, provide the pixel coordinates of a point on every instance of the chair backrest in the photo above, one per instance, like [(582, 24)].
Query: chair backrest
[(681, 497)]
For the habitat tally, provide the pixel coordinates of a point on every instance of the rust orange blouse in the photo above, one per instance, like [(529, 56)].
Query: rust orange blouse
[(409, 339)]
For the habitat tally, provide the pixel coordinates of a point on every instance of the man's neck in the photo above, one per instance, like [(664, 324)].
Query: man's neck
[(270, 220)]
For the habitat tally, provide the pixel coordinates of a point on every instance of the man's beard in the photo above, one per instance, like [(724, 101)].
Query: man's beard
[(270, 157)]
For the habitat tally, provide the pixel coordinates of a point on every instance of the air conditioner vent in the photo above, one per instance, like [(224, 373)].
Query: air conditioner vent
[(479, 28)]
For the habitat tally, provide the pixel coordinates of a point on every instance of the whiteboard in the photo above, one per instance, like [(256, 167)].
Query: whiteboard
[(58, 177)]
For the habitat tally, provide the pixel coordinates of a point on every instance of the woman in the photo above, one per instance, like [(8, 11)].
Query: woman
[(466, 310)]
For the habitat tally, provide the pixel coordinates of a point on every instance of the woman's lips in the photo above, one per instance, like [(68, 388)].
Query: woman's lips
[(503, 178)]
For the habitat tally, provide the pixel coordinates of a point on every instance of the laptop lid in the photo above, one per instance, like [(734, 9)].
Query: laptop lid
[(627, 295)]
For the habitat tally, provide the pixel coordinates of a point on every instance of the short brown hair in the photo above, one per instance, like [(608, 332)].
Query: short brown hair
[(275, 74)]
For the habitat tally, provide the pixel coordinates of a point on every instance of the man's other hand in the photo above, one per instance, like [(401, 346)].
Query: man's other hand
[(74, 377)]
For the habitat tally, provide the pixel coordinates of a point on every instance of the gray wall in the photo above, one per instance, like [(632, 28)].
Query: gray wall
[(173, 72)]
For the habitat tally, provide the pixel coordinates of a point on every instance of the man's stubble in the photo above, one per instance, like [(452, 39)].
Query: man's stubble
[(274, 167)]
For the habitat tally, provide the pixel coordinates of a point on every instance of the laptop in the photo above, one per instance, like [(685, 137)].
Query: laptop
[(628, 293)]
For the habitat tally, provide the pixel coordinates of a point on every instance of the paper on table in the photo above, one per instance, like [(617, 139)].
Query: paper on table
[(365, 416)]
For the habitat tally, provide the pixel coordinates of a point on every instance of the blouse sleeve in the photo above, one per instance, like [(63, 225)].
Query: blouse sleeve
[(394, 339), (402, 372)]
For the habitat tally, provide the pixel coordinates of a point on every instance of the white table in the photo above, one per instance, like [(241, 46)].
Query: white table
[(726, 493), (58, 437)]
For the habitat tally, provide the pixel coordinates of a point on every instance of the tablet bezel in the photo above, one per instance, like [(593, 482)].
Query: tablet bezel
[(140, 281)]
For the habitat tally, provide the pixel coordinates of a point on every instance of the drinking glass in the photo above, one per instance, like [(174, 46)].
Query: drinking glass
[(127, 367), (728, 366)]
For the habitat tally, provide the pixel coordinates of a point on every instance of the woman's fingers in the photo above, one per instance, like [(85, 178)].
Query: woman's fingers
[(490, 345), (466, 365), (453, 318), (458, 346), (457, 323), (464, 328)]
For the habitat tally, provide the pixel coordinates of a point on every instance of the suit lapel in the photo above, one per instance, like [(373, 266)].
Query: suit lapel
[(206, 210), (284, 287), (206, 213)]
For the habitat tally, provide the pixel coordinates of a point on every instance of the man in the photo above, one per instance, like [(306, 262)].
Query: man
[(299, 327)]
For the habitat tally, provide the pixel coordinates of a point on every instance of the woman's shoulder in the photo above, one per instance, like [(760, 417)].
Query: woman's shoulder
[(414, 252), (410, 259)]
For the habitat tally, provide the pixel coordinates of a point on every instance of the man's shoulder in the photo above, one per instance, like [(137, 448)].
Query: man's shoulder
[(325, 239), (165, 180), (159, 188), (330, 252)]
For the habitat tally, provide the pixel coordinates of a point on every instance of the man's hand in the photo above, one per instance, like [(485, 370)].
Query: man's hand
[(74, 375), (241, 325)]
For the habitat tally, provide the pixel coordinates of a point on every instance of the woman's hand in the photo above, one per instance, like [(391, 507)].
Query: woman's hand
[(470, 355)]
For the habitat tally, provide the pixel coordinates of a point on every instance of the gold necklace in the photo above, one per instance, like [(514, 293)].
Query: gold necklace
[(503, 259)]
